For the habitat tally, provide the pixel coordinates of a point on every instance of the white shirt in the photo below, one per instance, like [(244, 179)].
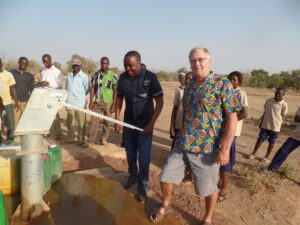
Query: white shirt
[(53, 76), (274, 111), (242, 97)]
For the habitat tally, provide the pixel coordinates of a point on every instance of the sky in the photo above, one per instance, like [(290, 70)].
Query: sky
[(240, 35)]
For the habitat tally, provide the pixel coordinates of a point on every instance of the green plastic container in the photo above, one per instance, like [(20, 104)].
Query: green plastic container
[(52, 166), (3, 215)]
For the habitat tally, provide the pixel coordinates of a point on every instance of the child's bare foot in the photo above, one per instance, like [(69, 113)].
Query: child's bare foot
[(222, 196)]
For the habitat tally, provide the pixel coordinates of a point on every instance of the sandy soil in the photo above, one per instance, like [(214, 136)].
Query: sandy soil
[(253, 197)]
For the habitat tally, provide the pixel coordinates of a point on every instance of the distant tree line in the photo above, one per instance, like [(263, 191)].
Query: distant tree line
[(256, 78), (285, 79)]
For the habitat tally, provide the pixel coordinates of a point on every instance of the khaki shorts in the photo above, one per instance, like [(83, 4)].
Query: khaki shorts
[(204, 167)]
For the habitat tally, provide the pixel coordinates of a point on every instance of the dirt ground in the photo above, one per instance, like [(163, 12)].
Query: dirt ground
[(253, 196)]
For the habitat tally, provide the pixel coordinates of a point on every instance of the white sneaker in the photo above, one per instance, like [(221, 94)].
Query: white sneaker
[(251, 156), (265, 160)]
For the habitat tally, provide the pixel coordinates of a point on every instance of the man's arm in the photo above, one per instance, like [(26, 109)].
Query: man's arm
[(119, 103), (59, 80), (113, 106), (284, 110), (32, 84), (148, 129), (92, 94), (243, 113), (173, 119), (13, 93), (229, 131)]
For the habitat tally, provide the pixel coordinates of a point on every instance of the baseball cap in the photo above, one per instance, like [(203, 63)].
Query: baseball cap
[(76, 62)]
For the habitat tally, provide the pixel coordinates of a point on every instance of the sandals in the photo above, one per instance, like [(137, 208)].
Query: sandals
[(222, 197), (156, 216)]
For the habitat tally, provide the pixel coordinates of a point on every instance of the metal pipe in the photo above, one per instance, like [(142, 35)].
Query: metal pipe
[(10, 147), (103, 117), (32, 177)]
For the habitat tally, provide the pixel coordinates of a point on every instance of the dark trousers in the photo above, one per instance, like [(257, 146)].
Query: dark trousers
[(288, 147), (9, 123), (138, 150)]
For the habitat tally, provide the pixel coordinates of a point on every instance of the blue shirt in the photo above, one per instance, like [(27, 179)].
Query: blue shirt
[(78, 87)]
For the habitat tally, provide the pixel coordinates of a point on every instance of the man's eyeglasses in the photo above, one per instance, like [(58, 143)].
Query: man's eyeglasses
[(200, 60)]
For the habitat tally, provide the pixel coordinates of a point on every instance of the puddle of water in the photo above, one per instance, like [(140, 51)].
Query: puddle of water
[(83, 199)]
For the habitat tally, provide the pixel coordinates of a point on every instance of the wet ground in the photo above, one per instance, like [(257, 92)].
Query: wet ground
[(78, 199)]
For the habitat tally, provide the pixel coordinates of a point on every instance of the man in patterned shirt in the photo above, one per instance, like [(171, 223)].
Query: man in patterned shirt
[(209, 121), (102, 100)]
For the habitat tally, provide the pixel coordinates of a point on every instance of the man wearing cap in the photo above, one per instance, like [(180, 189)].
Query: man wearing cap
[(78, 87), (51, 77)]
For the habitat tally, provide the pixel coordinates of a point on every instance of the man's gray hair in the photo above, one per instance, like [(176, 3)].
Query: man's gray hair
[(199, 48)]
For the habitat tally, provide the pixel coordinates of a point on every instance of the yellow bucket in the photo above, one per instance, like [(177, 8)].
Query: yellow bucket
[(9, 175)]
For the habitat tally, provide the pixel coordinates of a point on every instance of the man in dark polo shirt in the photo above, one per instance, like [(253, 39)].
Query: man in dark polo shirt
[(24, 86), (139, 86)]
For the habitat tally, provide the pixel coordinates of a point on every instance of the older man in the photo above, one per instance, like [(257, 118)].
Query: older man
[(205, 138), (139, 87), (78, 87)]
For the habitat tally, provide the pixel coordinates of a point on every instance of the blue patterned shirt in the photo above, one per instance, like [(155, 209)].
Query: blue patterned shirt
[(204, 113)]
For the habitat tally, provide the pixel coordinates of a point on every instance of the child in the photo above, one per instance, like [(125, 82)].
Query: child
[(288, 147), (236, 79), (176, 118), (275, 109)]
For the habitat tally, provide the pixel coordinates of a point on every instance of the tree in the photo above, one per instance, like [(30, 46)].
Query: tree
[(163, 76), (11, 64), (34, 67), (88, 66), (57, 65), (116, 70), (296, 79), (275, 81), (182, 69), (259, 78)]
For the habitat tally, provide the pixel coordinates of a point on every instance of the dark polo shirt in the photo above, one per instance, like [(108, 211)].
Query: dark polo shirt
[(24, 84), (139, 92)]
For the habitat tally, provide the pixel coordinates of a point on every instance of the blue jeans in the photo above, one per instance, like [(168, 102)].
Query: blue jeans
[(138, 148), (288, 147)]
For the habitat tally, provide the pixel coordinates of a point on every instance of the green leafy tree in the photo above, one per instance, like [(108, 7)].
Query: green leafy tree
[(259, 78), (295, 76), (275, 81)]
